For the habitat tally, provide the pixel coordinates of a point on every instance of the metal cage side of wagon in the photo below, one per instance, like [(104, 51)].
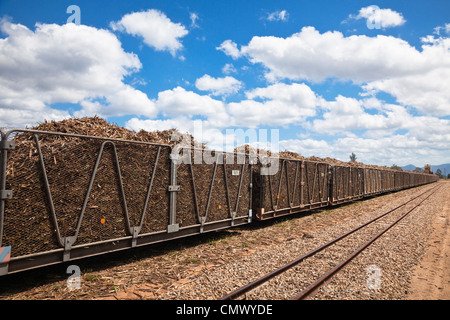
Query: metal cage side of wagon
[(68, 196)]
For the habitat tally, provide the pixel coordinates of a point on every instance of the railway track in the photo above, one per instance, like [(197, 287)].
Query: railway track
[(325, 277)]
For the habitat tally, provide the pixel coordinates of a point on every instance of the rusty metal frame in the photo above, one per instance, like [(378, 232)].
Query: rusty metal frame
[(68, 248), (3, 197), (202, 219), (67, 242), (301, 170), (352, 190)]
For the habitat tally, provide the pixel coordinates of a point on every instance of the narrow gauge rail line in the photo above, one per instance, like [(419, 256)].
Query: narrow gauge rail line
[(319, 282)]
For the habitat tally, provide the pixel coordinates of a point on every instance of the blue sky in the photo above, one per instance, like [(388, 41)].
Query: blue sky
[(316, 71)]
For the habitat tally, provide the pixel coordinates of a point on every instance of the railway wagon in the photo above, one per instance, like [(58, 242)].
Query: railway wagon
[(347, 184), (304, 185), (378, 181), (296, 186), (67, 196)]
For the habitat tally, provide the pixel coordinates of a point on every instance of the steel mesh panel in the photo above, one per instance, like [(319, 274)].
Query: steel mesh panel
[(350, 185), (202, 177), (186, 213), (323, 182), (354, 190), (275, 189), (119, 187), (340, 192), (274, 182), (348, 182), (293, 168), (369, 180), (405, 180), (137, 163), (386, 180), (316, 182), (374, 180), (69, 163), (233, 181), (391, 181), (259, 189), (282, 187), (310, 183), (27, 225), (375, 186), (157, 214), (212, 202), (215, 198), (219, 208), (358, 181), (104, 217), (267, 200)]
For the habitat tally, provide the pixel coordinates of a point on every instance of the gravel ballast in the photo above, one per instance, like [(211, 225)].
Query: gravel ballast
[(382, 271), (212, 265)]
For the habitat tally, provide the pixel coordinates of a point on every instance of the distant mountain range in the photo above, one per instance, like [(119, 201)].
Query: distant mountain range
[(445, 168)]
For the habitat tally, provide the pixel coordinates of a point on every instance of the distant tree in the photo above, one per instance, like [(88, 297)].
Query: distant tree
[(417, 169), (448, 176), (439, 173), (353, 157), (396, 167)]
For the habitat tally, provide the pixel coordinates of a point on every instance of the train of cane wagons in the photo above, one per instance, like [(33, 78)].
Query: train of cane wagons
[(67, 196)]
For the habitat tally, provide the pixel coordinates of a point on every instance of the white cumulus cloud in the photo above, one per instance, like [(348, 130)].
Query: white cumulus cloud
[(230, 49), (180, 102), (68, 63), (445, 28), (313, 56), (381, 63), (157, 30), (281, 105), (218, 86), (376, 17), (280, 15)]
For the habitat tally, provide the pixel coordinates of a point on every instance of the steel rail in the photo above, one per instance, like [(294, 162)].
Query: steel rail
[(75, 135), (252, 285), (319, 282)]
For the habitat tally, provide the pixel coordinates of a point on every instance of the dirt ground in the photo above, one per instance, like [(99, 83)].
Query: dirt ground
[(431, 279), (148, 273)]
